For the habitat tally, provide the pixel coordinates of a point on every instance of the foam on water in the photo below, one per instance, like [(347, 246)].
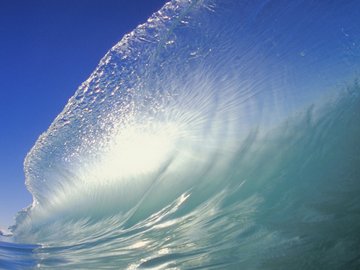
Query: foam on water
[(219, 134)]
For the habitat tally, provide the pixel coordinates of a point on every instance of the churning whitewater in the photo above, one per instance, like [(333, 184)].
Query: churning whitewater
[(217, 135)]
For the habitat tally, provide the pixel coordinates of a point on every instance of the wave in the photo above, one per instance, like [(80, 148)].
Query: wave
[(215, 135)]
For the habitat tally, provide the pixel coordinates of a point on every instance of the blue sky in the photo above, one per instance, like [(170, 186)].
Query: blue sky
[(47, 49)]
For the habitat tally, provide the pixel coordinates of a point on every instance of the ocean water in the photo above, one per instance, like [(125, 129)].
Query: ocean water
[(217, 135)]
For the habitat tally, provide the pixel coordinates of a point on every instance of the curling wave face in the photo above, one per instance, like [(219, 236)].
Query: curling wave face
[(219, 134)]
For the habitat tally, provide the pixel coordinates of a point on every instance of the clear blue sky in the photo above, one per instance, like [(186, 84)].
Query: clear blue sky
[(47, 49)]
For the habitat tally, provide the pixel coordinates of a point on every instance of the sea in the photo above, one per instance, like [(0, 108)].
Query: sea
[(219, 134)]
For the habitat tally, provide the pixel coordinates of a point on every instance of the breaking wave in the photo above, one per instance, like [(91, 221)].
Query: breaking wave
[(219, 134)]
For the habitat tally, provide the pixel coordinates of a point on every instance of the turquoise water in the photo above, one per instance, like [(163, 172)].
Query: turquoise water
[(217, 135)]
